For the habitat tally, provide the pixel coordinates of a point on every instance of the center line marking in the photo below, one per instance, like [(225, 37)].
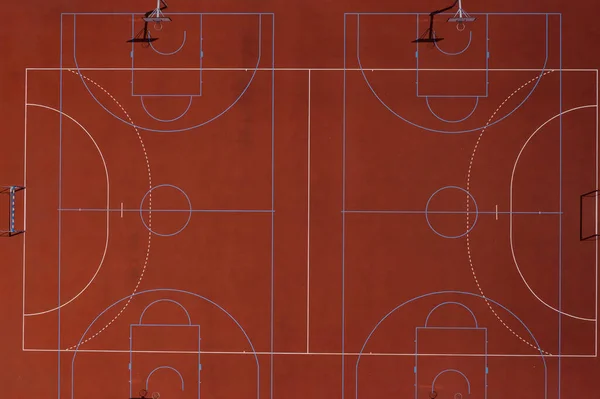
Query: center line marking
[(121, 210), (308, 229), (496, 212)]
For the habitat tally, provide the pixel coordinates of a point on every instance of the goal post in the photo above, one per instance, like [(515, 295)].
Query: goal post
[(9, 228), (588, 216)]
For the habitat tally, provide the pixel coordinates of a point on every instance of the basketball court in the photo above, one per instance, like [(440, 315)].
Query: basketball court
[(410, 211)]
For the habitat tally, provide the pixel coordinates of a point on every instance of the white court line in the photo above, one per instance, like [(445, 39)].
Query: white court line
[(596, 221), (308, 230), (321, 69), (330, 354), (512, 248), (24, 214), (107, 213)]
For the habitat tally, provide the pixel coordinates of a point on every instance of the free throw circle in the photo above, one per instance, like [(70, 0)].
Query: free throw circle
[(188, 211), (427, 212)]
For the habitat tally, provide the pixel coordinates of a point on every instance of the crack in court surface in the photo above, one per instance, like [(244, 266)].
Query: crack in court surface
[(468, 204), (149, 210)]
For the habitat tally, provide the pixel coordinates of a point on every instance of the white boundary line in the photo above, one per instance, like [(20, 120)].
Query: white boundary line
[(597, 184), (308, 228), (309, 70), (319, 69), (332, 354), (24, 214)]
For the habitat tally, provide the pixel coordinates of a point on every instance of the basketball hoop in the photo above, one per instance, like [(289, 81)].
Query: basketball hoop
[(461, 17), (155, 395), (143, 393), (157, 16)]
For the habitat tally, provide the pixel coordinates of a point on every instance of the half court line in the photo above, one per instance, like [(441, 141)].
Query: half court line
[(308, 225)]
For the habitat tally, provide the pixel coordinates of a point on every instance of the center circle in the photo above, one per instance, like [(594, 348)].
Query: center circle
[(169, 212), (428, 212)]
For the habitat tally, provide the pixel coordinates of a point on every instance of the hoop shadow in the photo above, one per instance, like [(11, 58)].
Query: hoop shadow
[(10, 233), (142, 40), (143, 36)]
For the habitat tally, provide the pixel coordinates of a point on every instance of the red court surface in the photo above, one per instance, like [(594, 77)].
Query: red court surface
[(293, 200)]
